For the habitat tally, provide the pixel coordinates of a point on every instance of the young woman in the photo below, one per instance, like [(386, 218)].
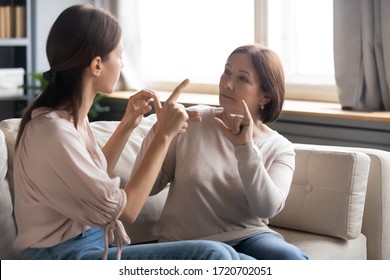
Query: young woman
[(67, 206), (230, 173)]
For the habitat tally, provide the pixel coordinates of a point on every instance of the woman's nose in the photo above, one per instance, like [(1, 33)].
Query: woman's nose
[(228, 84)]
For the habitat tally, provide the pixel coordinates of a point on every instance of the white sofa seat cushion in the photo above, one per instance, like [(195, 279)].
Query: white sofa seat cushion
[(327, 193), (322, 247)]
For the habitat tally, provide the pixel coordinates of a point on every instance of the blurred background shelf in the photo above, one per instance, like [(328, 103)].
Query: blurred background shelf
[(15, 51)]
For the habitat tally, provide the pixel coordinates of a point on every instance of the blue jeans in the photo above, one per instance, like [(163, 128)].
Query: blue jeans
[(90, 246), (269, 246)]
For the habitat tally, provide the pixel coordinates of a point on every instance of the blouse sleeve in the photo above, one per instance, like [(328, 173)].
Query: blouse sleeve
[(66, 177)]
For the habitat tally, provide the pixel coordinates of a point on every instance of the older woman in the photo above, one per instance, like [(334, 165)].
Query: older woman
[(231, 172)]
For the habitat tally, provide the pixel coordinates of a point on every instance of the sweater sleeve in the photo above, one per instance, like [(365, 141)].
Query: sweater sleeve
[(266, 188)]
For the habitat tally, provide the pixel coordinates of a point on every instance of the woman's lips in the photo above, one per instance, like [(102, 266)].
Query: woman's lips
[(227, 97)]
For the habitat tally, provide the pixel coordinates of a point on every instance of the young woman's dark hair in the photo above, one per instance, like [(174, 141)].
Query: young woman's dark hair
[(270, 72), (70, 48)]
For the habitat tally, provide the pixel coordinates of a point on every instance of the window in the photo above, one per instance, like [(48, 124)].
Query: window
[(301, 32), (192, 39)]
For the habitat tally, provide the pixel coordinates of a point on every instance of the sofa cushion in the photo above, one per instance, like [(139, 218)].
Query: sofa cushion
[(7, 224), (147, 226), (102, 131), (10, 129), (327, 193)]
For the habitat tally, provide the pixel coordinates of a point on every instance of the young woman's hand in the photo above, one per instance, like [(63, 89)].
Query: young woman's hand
[(237, 128), (137, 106), (172, 118)]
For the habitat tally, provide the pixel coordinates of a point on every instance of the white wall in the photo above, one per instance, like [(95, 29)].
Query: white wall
[(44, 15)]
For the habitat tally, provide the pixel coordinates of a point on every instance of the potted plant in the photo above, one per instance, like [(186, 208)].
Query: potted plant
[(39, 83)]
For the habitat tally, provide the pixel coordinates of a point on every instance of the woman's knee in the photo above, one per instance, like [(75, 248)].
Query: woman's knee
[(215, 250), (290, 252), (268, 246)]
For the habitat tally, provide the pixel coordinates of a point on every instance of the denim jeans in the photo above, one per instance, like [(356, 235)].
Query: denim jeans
[(90, 246), (269, 246)]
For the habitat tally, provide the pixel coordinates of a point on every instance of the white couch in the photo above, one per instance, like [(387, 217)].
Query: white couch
[(338, 206)]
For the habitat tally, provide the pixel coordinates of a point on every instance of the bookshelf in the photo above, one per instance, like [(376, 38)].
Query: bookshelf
[(15, 52)]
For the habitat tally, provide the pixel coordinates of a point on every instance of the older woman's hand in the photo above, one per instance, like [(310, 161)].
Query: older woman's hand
[(237, 128)]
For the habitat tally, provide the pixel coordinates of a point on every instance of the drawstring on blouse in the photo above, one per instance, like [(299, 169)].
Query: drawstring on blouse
[(109, 237), (117, 227)]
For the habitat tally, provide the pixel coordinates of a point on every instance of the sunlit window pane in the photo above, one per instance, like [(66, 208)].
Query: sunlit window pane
[(301, 31), (192, 39)]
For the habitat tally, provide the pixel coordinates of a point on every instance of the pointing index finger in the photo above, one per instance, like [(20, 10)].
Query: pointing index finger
[(176, 93), (247, 114)]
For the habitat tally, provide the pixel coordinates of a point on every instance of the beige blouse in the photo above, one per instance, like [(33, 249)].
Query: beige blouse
[(62, 187)]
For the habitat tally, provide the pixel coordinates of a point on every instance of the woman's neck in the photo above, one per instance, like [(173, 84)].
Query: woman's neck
[(86, 103)]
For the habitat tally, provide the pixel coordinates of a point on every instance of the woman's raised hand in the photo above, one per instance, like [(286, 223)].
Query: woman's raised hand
[(137, 106), (172, 117), (237, 128)]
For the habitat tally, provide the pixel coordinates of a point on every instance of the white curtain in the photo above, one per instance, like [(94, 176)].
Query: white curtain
[(362, 53), (126, 13)]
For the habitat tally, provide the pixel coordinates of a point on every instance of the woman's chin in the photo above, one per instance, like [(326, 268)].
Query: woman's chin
[(223, 99)]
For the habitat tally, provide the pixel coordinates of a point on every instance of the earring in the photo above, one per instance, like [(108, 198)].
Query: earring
[(262, 107)]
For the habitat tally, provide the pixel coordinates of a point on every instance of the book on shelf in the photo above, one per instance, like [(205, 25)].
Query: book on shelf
[(12, 19), (20, 21)]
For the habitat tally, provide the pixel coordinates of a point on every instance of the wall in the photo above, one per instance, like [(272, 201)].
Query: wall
[(44, 14)]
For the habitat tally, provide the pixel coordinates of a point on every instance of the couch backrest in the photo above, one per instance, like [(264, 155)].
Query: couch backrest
[(147, 225), (7, 222)]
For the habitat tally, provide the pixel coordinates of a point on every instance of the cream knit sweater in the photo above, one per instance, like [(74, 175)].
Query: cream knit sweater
[(219, 191)]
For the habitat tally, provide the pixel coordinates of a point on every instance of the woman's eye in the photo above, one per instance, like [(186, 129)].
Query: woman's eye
[(227, 71), (244, 79)]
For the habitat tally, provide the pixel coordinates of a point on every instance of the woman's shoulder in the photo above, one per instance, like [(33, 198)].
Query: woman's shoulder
[(50, 116), (48, 123), (276, 141)]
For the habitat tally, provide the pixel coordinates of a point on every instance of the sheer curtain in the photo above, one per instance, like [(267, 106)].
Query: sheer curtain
[(362, 53), (126, 13)]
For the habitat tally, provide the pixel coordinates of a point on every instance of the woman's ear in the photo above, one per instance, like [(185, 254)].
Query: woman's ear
[(265, 100), (96, 66)]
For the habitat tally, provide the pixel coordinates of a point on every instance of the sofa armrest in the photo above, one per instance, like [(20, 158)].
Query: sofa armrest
[(376, 219)]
